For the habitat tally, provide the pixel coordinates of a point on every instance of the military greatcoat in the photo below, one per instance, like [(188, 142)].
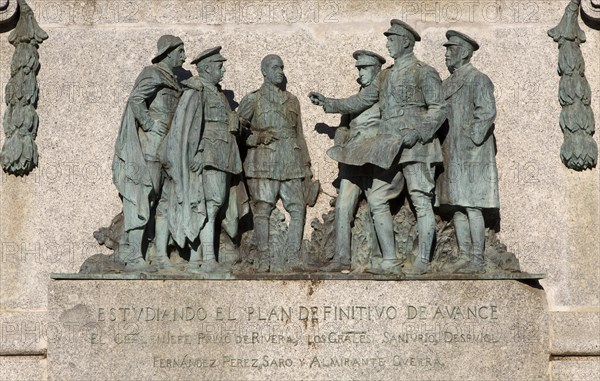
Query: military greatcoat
[(470, 177), (204, 125)]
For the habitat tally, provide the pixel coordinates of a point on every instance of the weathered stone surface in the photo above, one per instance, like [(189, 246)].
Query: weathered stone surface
[(574, 333), (531, 279), (24, 332), (297, 330), (575, 369), (23, 368)]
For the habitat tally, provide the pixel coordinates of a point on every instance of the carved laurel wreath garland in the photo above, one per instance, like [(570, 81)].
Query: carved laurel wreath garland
[(19, 154), (579, 151)]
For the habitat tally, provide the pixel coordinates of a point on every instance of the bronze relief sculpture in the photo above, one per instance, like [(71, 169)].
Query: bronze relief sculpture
[(469, 181), (204, 165), (412, 109), (579, 150), (278, 161), (189, 165), (19, 154), (137, 166), (357, 134)]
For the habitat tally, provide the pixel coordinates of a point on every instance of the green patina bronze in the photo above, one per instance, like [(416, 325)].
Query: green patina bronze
[(204, 188), (355, 149), (412, 110), (579, 151), (468, 183), (183, 177), (20, 154), (137, 164), (277, 165)]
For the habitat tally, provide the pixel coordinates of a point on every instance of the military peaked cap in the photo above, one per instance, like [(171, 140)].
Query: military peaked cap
[(400, 28), (210, 55), (457, 38), (367, 58)]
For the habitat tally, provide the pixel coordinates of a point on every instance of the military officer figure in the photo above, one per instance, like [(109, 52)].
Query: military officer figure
[(379, 185), (411, 102), (277, 159), (137, 170), (203, 160), (469, 182)]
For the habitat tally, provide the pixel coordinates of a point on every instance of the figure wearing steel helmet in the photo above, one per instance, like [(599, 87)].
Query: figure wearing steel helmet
[(137, 170), (469, 182), (412, 108), (377, 184)]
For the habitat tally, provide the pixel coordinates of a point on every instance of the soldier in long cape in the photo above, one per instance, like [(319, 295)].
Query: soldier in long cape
[(204, 165), (137, 170)]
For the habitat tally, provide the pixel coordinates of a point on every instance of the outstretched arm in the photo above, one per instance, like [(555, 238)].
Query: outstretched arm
[(358, 103)]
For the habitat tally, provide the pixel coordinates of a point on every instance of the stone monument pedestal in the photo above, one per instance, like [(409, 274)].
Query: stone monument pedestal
[(303, 329)]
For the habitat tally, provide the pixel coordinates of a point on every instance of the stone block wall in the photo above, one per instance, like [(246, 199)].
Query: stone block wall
[(550, 215)]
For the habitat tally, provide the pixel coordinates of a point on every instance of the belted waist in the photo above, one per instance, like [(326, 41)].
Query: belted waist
[(402, 111), (216, 131), (281, 133), (208, 125), (161, 116)]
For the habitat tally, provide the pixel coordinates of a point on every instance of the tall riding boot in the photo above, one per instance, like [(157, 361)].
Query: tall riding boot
[(195, 259), (207, 242), (426, 230), (343, 234), (123, 249), (463, 238), (295, 235), (384, 228), (343, 242), (162, 241), (477, 231), (261, 233), (131, 253)]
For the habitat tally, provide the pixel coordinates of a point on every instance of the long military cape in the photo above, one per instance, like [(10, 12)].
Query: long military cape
[(187, 206), (130, 172)]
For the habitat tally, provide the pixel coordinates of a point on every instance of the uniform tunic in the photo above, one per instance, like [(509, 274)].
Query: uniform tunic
[(270, 109), (203, 126), (275, 169), (410, 98), (218, 146), (380, 185)]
